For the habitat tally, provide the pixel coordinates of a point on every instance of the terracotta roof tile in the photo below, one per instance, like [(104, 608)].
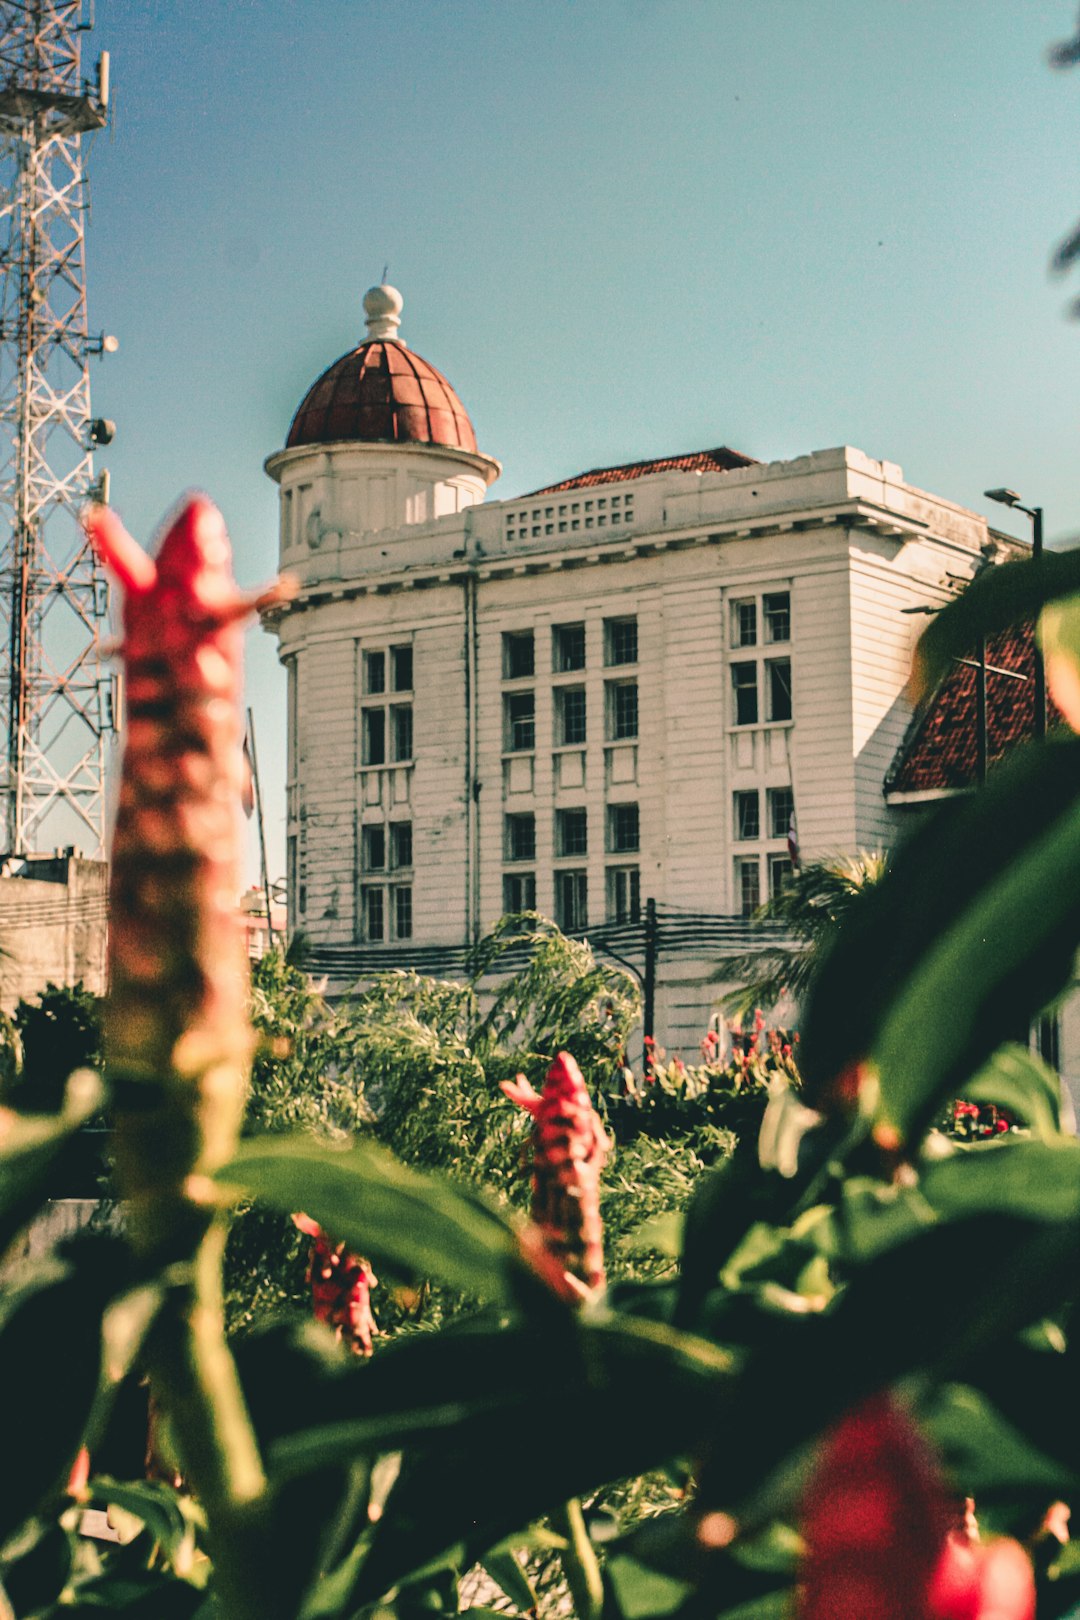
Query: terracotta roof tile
[(719, 460), (381, 392), (939, 753)]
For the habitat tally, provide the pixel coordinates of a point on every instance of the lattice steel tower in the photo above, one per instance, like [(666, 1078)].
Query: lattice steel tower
[(55, 704)]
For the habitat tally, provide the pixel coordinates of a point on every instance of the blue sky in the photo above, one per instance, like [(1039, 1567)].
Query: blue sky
[(622, 228)]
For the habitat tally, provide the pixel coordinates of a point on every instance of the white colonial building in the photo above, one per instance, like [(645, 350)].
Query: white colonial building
[(631, 684)]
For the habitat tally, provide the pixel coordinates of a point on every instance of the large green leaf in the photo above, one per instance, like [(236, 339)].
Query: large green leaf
[(971, 932), (31, 1147), (985, 1456), (1023, 1086), (539, 1419), (999, 597), (415, 1223)]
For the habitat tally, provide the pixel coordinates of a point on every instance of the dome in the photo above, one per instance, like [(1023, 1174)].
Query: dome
[(380, 392)]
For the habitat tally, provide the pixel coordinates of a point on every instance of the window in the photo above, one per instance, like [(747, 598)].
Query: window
[(520, 721), (747, 886), (624, 832), (570, 714), (374, 914), (517, 654), (622, 709), (781, 809), (571, 832), (778, 689), (567, 647), (374, 737), (571, 908), (373, 848), (400, 844), (744, 691), (401, 721), (779, 874), (519, 891), (401, 669), (744, 624), (620, 641), (519, 840), (776, 611), (623, 894), (747, 816), (402, 896), (374, 672)]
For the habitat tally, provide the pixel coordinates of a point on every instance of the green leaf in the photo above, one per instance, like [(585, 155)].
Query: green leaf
[(641, 1591), (385, 1210), (31, 1147), (1023, 1086), (156, 1504), (998, 598), (609, 1399), (984, 1455), (504, 1569), (971, 932)]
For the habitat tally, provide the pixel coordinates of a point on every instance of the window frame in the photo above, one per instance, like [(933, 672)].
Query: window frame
[(369, 831), (772, 672), (618, 723), (563, 696), (741, 799), (744, 866), (514, 642), (615, 836), (779, 825), (614, 655), (512, 742), (515, 821), (561, 662), (397, 830), (571, 833), (512, 879), (572, 882), (745, 689), (770, 613)]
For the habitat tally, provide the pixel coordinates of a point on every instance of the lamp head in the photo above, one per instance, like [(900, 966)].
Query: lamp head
[(1003, 497)]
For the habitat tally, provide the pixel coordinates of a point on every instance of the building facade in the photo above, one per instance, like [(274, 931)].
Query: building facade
[(645, 681)]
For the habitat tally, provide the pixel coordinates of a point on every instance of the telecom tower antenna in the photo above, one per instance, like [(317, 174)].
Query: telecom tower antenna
[(55, 706)]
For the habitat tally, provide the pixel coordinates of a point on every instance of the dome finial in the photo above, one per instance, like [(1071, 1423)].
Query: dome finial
[(382, 307)]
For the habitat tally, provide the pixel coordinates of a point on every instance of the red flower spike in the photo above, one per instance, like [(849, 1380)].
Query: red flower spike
[(875, 1519), (341, 1284), (177, 1037), (568, 1150)]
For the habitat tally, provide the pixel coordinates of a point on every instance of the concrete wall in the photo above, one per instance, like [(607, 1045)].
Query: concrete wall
[(52, 925)]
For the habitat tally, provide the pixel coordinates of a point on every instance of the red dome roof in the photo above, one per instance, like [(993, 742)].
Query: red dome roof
[(382, 393)]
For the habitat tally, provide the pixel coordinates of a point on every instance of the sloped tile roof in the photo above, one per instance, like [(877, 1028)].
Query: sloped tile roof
[(718, 460), (939, 753)]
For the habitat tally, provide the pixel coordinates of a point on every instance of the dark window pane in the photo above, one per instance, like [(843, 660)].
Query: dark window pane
[(776, 608), (572, 832), (374, 750), (781, 810), (778, 688), (779, 874), (517, 654), (403, 740), (401, 659), (520, 838), (747, 886), (570, 714), (569, 647), (624, 833), (520, 712), (744, 624), (744, 688), (571, 910), (403, 912), (747, 817), (400, 843), (620, 641), (623, 712), (374, 848), (519, 891), (623, 894), (374, 672), (374, 917)]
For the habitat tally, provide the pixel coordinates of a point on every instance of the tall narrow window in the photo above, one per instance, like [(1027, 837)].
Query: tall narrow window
[(400, 844), (402, 897), (374, 672), (744, 694), (519, 838), (622, 714), (571, 832), (781, 809), (624, 831), (620, 641), (571, 901), (744, 623), (776, 611), (568, 647), (519, 715), (778, 689), (519, 891), (518, 660), (374, 737), (779, 874), (747, 885), (401, 668), (374, 914), (570, 714), (747, 817), (373, 847), (623, 894), (401, 717)]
